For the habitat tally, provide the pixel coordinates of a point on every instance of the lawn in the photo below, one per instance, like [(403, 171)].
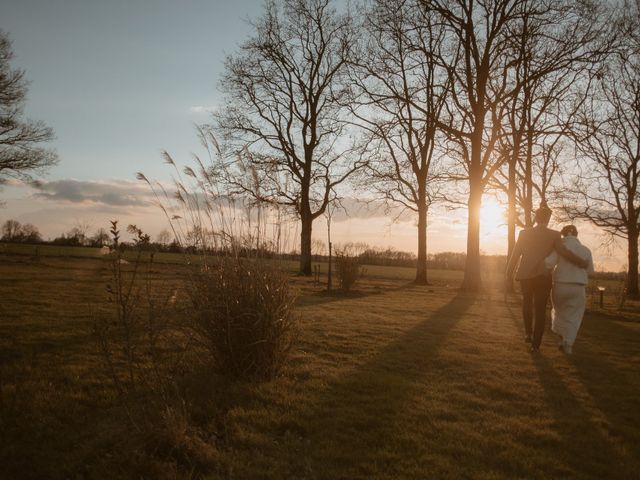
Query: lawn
[(37, 251), (393, 381)]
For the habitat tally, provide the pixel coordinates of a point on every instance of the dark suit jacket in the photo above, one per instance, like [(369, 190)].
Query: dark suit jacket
[(532, 247)]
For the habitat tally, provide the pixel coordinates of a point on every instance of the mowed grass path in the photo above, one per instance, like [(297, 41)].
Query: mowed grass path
[(398, 381)]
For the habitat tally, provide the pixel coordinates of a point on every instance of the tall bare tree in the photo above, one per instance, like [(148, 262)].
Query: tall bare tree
[(554, 47), (478, 61), (284, 120), (11, 229), (21, 153), (606, 191), (401, 90)]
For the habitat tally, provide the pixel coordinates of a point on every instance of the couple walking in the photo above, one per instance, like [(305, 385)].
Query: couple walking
[(551, 263)]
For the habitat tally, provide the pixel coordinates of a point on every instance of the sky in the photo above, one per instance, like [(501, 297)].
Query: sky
[(120, 81)]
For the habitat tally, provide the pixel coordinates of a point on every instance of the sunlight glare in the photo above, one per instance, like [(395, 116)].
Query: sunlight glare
[(493, 217)]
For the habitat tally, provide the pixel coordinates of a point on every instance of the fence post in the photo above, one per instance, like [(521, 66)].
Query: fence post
[(329, 270), (601, 291), (622, 296)]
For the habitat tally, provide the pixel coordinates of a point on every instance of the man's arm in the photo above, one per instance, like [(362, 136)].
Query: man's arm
[(569, 255), (514, 258), (551, 260)]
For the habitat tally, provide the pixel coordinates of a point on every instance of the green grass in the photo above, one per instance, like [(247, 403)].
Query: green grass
[(394, 381), (401, 273)]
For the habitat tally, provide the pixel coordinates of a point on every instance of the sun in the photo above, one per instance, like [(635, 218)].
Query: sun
[(493, 217)]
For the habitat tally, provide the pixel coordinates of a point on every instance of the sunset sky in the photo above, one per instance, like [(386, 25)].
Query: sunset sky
[(120, 80)]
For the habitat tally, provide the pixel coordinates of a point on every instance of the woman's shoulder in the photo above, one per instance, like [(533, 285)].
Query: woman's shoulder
[(585, 249)]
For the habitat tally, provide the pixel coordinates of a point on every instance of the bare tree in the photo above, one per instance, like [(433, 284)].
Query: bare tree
[(30, 233), (14, 231), (318, 247), (11, 229), (401, 91), (553, 50), (100, 238), (164, 237), (478, 60), (20, 152), (606, 191), (283, 125), (493, 75)]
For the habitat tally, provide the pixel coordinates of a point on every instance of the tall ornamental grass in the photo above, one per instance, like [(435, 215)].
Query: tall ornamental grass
[(242, 308)]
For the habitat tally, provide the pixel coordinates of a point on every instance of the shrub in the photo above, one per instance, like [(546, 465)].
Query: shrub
[(349, 271), (242, 305), (348, 265), (243, 315), (140, 349)]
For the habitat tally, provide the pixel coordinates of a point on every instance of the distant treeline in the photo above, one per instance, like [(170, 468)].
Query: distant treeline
[(441, 260), (14, 232)]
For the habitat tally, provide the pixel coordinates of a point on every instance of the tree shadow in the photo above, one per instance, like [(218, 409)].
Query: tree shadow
[(627, 314), (361, 408), (606, 362), (323, 296), (584, 444)]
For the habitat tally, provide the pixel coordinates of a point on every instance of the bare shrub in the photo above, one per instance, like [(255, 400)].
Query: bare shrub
[(242, 304), (348, 266), (140, 350), (243, 315)]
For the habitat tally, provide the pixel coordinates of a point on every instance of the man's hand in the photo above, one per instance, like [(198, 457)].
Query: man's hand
[(569, 255)]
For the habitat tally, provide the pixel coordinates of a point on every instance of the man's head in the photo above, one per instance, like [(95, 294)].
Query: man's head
[(543, 214)]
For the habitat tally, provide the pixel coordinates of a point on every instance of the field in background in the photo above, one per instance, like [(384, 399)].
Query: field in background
[(612, 295), (393, 381)]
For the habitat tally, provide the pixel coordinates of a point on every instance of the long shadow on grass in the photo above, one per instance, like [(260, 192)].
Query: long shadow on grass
[(611, 332), (354, 418), (324, 296), (584, 446), (613, 385)]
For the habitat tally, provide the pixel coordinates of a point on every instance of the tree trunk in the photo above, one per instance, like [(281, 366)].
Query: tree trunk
[(511, 194), (305, 244), (528, 199), (511, 220), (329, 273), (528, 159), (632, 274), (472, 280), (421, 270)]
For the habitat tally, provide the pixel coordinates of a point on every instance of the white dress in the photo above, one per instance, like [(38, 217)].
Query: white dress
[(568, 295)]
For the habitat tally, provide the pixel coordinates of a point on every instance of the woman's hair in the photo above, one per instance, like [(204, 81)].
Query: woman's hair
[(569, 230)]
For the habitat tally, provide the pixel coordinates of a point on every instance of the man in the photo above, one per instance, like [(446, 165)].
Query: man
[(533, 246)]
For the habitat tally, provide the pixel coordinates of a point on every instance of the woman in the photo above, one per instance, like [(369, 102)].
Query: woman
[(569, 284)]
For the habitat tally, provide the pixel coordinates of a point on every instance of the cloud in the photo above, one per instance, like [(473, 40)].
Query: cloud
[(116, 193), (11, 182), (199, 109)]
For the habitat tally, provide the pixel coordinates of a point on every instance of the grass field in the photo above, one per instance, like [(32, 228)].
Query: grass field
[(394, 381), (403, 273)]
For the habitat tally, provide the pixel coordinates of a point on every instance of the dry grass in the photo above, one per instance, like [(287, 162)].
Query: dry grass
[(243, 314), (394, 381)]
